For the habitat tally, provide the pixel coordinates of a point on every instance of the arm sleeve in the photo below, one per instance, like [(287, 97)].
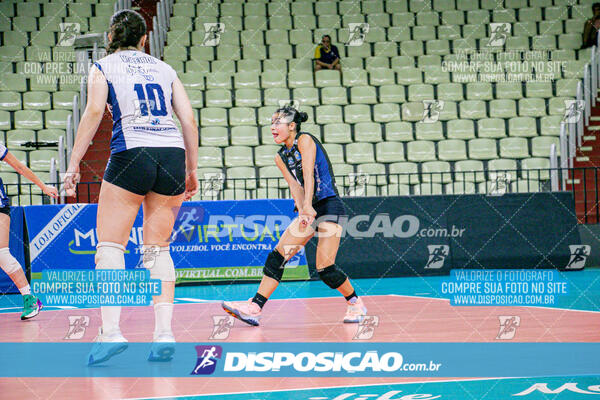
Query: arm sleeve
[(334, 49)]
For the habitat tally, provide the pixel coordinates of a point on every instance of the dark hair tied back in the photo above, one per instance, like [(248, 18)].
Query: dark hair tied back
[(297, 116), (126, 29)]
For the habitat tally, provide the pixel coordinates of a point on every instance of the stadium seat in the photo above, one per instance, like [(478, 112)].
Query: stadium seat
[(390, 94), (460, 129), (426, 189), (334, 95), (399, 131), (522, 126), (359, 153), (463, 187), (492, 128), (337, 133), (16, 139), (482, 149), (420, 150), (436, 171), (535, 168), (532, 107), (214, 136), (335, 153), (213, 117), (218, 98), (469, 170), (238, 156), (244, 136), (389, 152), (404, 173), (265, 155), (514, 147), (452, 150), (376, 173), (386, 112), (540, 146), (250, 97), (365, 95), (367, 132), (503, 108), (429, 131), (39, 160), (472, 109), (241, 177), (242, 116)]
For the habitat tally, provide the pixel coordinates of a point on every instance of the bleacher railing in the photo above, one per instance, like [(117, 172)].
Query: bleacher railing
[(583, 182)]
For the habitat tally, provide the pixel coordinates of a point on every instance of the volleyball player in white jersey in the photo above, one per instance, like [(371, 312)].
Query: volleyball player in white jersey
[(152, 164), (31, 304)]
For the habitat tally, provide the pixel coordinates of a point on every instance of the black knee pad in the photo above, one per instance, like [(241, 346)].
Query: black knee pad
[(274, 265), (332, 276)]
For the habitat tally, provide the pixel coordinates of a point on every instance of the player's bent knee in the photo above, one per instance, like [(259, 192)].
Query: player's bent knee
[(110, 255), (274, 265), (158, 260), (332, 276), (9, 264)]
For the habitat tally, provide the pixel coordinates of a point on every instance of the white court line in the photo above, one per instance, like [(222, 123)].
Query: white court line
[(328, 387)]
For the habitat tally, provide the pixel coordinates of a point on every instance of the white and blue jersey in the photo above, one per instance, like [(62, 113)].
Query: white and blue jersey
[(4, 201), (140, 95), (325, 185)]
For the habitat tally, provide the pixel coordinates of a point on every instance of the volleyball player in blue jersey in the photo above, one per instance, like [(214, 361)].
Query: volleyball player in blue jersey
[(307, 170)]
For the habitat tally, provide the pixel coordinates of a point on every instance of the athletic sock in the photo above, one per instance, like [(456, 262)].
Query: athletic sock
[(111, 316), (25, 290), (163, 315), (260, 300), (352, 297)]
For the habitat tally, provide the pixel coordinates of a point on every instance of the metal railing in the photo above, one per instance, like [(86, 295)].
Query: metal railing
[(584, 183)]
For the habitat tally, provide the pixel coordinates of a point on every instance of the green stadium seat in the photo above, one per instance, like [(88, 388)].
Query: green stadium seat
[(266, 113), (382, 77), (214, 136), (404, 173), (427, 189), (479, 91), (469, 170), (218, 98), (337, 133), (550, 125), (423, 33), (273, 65), (540, 146), (238, 156), (334, 95), (241, 177), (420, 92), (375, 173), (523, 186), (491, 128), (26, 119), (274, 95), (272, 79), (60, 100), (398, 131), (219, 80), (305, 22), (270, 176), (391, 94), (436, 75), (400, 63), (252, 37), (535, 168), (355, 113), (365, 95), (532, 107), (301, 8), (300, 36), (40, 100), (12, 53), (195, 80), (503, 108), (16, 139), (250, 97), (482, 149), (398, 33), (244, 136), (326, 78), (449, 32), (429, 131), (460, 129), (246, 80), (472, 109), (50, 135), (543, 42), (506, 166), (501, 16), (26, 24), (525, 27), (39, 160), (509, 90), (307, 96), (474, 31), (450, 91), (212, 116), (553, 28), (412, 111), (222, 66), (410, 76), (387, 112), (522, 127), (567, 87), (411, 48), (389, 152), (359, 153), (335, 152), (56, 119), (581, 11), (355, 78), (342, 172), (302, 79), (574, 25), (556, 105), (452, 150), (10, 101), (385, 49), (420, 150), (367, 132), (329, 114), (514, 147), (242, 116), (436, 171)]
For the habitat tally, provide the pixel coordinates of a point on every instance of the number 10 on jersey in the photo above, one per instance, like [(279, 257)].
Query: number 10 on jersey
[(147, 96)]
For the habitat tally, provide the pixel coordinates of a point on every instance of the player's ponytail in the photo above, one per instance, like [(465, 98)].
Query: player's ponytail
[(293, 115), (126, 29)]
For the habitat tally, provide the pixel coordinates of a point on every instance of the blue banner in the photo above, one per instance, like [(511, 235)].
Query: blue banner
[(221, 359), (211, 241), (16, 243)]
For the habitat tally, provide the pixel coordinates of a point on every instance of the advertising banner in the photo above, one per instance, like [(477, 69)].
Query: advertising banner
[(211, 241)]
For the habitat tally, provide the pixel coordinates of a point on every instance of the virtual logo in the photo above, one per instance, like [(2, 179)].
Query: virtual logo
[(222, 326), (366, 327), (357, 33), (437, 256), (499, 32), (207, 359), (212, 33), (508, 327), (77, 326), (579, 254)]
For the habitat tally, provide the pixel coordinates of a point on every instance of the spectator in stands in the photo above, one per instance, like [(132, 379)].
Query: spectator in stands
[(327, 55), (31, 304), (591, 27)]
